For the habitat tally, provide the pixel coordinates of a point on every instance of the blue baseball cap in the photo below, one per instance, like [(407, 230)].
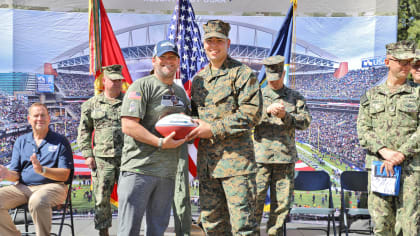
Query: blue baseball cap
[(163, 47)]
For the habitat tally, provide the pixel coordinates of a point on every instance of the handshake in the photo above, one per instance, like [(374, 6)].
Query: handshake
[(277, 109)]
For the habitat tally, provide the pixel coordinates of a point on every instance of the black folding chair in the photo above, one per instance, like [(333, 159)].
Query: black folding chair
[(314, 181), (21, 216), (353, 181)]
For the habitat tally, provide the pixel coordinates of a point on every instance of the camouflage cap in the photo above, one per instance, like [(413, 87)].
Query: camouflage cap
[(417, 56), (113, 72), (273, 67), (217, 29), (401, 50)]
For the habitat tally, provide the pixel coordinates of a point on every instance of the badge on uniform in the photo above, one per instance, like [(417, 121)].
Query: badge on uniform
[(171, 100), (134, 96), (383, 184), (52, 148), (132, 107)]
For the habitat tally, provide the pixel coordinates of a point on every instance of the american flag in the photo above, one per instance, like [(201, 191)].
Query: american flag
[(184, 31)]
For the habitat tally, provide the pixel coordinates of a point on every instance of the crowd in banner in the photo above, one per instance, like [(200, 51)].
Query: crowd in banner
[(337, 136), (12, 113), (69, 129), (339, 140), (6, 145), (75, 108), (352, 85), (75, 85), (12, 110)]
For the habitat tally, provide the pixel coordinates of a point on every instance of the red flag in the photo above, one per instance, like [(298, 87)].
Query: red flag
[(103, 45), (104, 51)]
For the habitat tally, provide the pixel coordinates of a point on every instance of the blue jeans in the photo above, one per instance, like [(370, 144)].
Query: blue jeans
[(138, 193)]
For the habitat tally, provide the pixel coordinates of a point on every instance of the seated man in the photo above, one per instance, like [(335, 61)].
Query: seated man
[(41, 162)]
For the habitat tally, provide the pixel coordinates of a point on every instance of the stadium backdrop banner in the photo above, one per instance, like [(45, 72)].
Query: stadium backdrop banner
[(336, 59)]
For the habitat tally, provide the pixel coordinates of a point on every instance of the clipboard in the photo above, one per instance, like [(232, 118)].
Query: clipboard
[(383, 184)]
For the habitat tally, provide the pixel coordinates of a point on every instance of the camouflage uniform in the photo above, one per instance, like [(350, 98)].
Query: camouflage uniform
[(391, 119), (414, 71), (228, 99), (275, 148), (102, 116)]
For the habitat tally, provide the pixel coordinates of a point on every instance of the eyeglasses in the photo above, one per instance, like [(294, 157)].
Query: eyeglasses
[(401, 62)]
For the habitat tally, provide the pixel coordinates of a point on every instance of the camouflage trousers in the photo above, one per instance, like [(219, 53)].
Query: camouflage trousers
[(399, 215), (228, 204), (280, 179), (103, 178), (181, 205)]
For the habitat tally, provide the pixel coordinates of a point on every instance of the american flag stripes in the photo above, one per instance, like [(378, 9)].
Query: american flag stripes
[(184, 31)]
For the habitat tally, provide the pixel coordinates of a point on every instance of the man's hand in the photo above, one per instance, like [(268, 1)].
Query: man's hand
[(90, 162), (169, 141), (389, 168), (35, 162), (202, 131), (3, 172), (277, 109), (392, 156)]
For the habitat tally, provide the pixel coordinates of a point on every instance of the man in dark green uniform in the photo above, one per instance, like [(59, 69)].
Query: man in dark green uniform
[(388, 128), (415, 67), (101, 115)]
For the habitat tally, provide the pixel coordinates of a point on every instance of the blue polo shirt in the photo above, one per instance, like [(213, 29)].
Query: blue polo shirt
[(54, 152)]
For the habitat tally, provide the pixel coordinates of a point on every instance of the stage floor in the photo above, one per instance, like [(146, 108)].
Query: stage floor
[(84, 226)]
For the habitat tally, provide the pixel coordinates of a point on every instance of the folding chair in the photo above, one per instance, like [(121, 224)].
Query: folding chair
[(21, 214), (353, 181), (314, 181)]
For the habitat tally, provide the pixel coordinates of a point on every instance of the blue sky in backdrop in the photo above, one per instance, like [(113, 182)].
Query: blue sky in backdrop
[(31, 38)]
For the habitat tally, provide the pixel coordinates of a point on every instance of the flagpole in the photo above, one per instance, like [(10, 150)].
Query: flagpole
[(289, 42), (104, 50), (293, 46), (281, 45)]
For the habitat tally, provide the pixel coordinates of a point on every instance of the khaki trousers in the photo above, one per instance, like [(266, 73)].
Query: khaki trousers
[(40, 199)]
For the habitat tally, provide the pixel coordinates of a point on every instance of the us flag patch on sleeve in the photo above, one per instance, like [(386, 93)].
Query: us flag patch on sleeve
[(134, 96)]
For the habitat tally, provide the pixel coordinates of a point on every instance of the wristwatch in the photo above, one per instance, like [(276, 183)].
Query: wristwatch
[(44, 170)]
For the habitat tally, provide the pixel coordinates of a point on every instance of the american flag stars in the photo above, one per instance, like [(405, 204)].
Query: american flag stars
[(184, 31)]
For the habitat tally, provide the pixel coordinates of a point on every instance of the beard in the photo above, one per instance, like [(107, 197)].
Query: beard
[(165, 74)]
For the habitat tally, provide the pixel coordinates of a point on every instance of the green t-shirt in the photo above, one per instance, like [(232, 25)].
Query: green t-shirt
[(150, 99)]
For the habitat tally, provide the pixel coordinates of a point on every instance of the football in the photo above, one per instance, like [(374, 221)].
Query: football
[(180, 123)]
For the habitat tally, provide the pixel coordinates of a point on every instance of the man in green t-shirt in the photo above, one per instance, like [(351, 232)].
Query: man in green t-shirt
[(149, 162)]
